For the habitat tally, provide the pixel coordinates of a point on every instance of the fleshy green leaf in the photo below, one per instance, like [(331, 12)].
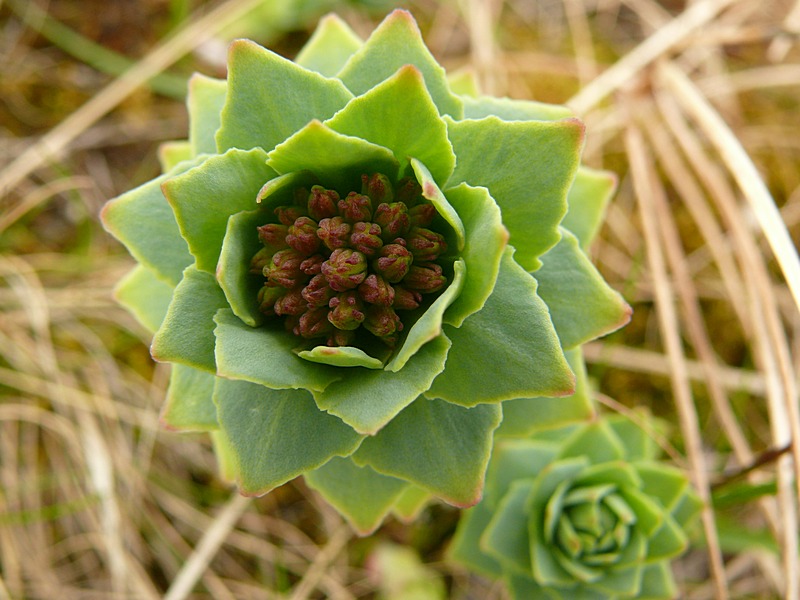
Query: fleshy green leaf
[(363, 496), (337, 160), (664, 482), (410, 503), (368, 399), (485, 241), (342, 356), (330, 46), (233, 270), (528, 167), (668, 542), (637, 436), (464, 82), (597, 442), (465, 548), (513, 110), (587, 200), (399, 114), (204, 102), (265, 356), (657, 582), (172, 153), (143, 221), (431, 191), (625, 583), (649, 515), (546, 568), (145, 295), (270, 98), (187, 334), (206, 196), (429, 325), (190, 404), (225, 457), (486, 364), (504, 539), (523, 416), (512, 460), (395, 43), (438, 446), (567, 275), (277, 435)]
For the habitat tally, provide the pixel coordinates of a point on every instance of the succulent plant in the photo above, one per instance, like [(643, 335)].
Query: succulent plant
[(353, 261), (584, 512)]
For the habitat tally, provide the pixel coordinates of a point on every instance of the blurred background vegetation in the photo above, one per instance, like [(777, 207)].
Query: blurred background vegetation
[(693, 104)]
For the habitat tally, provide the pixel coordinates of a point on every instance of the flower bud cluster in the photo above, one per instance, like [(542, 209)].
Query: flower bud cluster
[(334, 266)]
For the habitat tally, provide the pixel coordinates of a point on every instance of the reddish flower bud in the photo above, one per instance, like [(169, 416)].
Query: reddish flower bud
[(376, 290), (340, 337), (285, 269), (289, 214), (378, 187), (291, 303), (382, 321), (312, 265), (355, 207), (322, 203), (317, 293), (393, 219), (262, 258), (302, 236), (425, 244), (422, 215), (425, 278), (334, 232), (273, 235), (267, 296), (407, 191), (366, 238), (405, 299), (314, 323), (393, 262), (348, 311), (345, 269)]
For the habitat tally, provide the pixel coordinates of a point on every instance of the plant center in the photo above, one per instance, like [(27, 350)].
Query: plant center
[(343, 268)]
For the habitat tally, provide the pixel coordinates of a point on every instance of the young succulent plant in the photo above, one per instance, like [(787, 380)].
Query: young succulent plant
[(353, 261), (586, 512)]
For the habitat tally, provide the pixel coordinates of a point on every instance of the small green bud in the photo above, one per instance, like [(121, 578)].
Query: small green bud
[(291, 303), (393, 220), (285, 269), (405, 299), (382, 321), (267, 296), (366, 238), (273, 235), (314, 323), (425, 245), (345, 269), (262, 258), (355, 207), (376, 290), (334, 232), (378, 187), (348, 311), (289, 214), (393, 262), (322, 203), (340, 337), (317, 293), (302, 236), (425, 278)]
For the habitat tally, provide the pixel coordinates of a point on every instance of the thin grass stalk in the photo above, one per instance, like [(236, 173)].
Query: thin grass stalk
[(767, 339), (695, 324), (57, 140), (646, 186), (660, 42)]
